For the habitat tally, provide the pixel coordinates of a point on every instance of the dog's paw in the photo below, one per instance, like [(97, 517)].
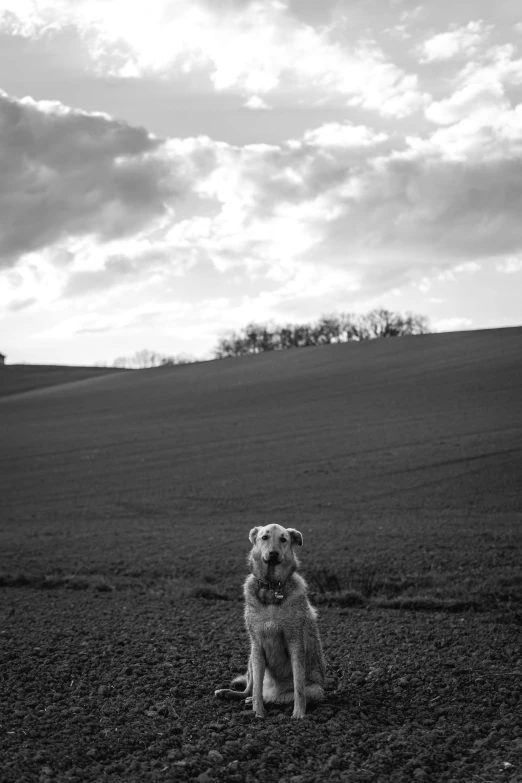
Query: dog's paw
[(298, 714), (221, 693)]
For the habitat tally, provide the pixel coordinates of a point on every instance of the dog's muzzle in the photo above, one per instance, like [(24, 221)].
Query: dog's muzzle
[(273, 558)]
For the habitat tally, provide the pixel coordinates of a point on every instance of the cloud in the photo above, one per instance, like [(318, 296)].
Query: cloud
[(18, 305), (115, 271), (468, 266), (127, 321), (498, 64), (274, 200), (256, 103), (336, 197), (510, 265), (335, 134), (123, 208), (255, 208), (448, 275), (487, 134), (255, 48), (392, 216), (132, 269), (443, 209), (483, 98), (459, 42), (69, 173), (452, 324)]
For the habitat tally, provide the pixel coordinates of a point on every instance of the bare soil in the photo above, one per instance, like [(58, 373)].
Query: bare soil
[(127, 502)]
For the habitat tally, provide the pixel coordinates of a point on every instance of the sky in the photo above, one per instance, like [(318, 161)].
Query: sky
[(172, 170)]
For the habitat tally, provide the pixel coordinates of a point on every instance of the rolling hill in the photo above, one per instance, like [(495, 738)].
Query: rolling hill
[(16, 378), (399, 456)]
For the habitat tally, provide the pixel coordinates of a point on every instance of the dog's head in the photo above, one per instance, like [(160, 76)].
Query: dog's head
[(274, 544)]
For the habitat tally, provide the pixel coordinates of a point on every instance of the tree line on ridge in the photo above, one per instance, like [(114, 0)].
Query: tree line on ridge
[(260, 337)]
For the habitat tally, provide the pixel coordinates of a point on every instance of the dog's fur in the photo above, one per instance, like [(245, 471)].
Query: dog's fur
[(286, 659)]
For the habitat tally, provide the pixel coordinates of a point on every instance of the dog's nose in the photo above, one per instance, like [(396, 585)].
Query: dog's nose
[(274, 555)]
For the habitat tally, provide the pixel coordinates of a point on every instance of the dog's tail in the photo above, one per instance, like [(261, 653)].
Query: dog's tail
[(239, 683), (241, 689)]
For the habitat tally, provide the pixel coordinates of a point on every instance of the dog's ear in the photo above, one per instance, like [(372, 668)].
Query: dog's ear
[(296, 536), (253, 535)]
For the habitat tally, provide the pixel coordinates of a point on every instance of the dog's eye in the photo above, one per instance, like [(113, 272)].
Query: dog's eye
[(283, 539), (265, 537)]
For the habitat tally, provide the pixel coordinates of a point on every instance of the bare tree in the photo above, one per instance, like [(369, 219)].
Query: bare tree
[(349, 329), (121, 361), (416, 324), (171, 361), (286, 337), (145, 358), (229, 346), (329, 329), (303, 336), (333, 328), (384, 323)]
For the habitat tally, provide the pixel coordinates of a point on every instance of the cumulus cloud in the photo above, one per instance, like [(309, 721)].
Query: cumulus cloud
[(256, 103), (335, 134), (484, 136), (334, 197), (69, 173), (459, 41), (392, 216), (140, 263), (498, 64), (480, 103), (249, 47), (447, 210), (483, 98), (510, 265), (114, 205), (468, 266), (115, 271)]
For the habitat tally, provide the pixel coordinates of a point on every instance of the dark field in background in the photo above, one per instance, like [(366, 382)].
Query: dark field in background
[(400, 456), (16, 378)]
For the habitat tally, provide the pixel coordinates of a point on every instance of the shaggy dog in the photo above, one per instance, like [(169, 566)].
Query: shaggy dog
[(286, 657)]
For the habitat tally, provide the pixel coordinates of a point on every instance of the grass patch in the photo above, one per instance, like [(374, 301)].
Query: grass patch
[(366, 583), (341, 598), (179, 588), (365, 587), (425, 603), (95, 582), (205, 591)]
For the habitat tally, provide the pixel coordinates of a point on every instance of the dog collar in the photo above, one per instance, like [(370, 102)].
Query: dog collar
[(277, 587)]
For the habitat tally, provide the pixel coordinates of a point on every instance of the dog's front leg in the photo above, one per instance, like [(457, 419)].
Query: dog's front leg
[(297, 657), (258, 674)]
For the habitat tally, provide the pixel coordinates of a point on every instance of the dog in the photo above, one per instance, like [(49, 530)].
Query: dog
[(286, 656)]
